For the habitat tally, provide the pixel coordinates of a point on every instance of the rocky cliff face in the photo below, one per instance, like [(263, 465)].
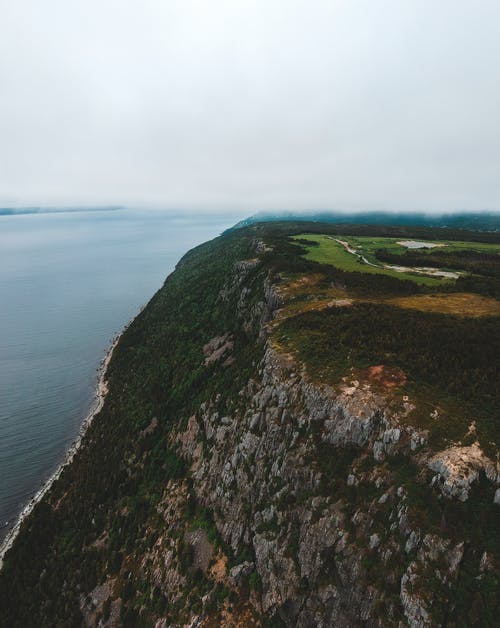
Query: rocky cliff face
[(310, 485)]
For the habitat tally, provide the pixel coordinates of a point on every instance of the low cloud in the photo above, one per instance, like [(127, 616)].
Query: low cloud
[(241, 105)]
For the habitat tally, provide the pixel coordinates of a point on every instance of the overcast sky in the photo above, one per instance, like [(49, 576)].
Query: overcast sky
[(354, 104)]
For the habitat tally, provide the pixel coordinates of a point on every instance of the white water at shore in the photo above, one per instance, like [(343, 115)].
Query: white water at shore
[(100, 396), (68, 284)]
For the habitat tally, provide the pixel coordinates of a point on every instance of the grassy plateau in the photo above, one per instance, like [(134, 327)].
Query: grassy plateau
[(359, 254)]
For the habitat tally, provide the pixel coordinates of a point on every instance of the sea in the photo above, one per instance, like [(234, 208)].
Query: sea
[(69, 282)]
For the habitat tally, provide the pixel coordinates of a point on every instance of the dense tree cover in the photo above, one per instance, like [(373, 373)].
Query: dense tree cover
[(157, 372), (289, 228), (472, 261), (456, 356), (483, 221)]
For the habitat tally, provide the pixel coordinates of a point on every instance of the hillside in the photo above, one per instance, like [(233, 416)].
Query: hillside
[(289, 439), (478, 221)]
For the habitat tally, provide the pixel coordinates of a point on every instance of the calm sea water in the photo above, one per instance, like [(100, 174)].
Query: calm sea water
[(68, 283)]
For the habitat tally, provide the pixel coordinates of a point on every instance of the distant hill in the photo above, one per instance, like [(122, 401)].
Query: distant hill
[(14, 211), (482, 221)]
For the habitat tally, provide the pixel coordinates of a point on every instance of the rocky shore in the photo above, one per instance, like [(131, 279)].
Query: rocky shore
[(100, 395)]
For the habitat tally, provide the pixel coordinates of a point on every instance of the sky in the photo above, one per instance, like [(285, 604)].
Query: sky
[(251, 105)]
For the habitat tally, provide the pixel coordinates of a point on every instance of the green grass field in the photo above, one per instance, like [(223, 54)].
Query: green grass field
[(328, 251), (331, 252)]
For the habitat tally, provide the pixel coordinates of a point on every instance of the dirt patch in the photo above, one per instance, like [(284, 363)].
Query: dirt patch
[(306, 293), (411, 244), (242, 615), (340, 303), (218, 570), (387, 376), (457, 303), (299, 286)]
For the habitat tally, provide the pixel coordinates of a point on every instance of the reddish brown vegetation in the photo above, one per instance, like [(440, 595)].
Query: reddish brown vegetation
[(388, 376)]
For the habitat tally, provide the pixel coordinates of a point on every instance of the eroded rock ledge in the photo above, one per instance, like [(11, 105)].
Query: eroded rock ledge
[(318, 536)]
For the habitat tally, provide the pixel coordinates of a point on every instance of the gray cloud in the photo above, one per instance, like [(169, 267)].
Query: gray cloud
[(251, 104)]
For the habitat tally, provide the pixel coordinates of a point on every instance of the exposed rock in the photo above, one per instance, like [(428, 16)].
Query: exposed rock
[(487, 563), (459, 467), (414, 605), (92, 605), (255, 466), (413, 541), (238, 573), (149, 429), (217, 348), (203, 549), (496, 498), (374, 541)]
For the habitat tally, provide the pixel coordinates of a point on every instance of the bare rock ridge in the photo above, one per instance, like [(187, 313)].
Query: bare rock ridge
[(256, 470), (459, 467)]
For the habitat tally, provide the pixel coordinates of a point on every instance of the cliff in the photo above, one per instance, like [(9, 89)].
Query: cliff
[(242, 472)]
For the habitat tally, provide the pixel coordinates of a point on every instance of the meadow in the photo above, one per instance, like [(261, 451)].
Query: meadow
[(359, 254)]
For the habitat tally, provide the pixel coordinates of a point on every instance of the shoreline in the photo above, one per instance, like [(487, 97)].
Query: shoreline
[(101, 391)]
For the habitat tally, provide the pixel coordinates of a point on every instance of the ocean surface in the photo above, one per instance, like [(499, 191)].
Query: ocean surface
[(69, 282)]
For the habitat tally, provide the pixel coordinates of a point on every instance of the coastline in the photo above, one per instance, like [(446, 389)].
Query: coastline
[(97, 405)]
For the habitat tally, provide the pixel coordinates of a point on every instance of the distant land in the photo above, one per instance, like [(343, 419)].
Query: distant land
[(14, 211), (478, 221)]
